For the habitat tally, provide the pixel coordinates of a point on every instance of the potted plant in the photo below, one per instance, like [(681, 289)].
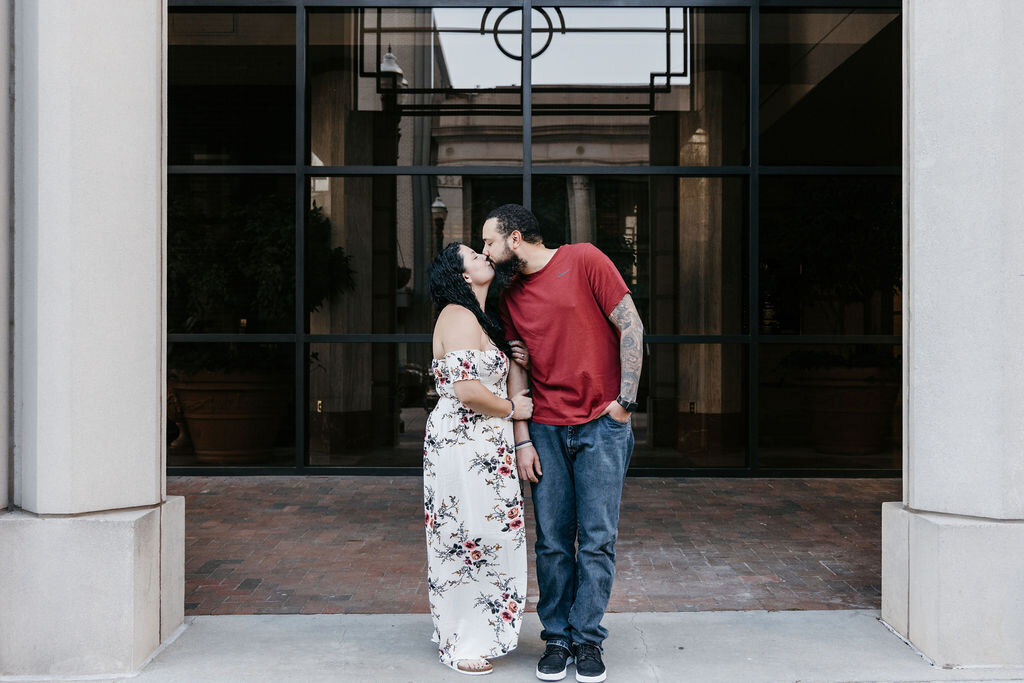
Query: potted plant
[(849, 395), (229, 271)]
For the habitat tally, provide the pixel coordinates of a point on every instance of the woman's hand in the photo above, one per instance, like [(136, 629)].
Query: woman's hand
[(523, 405), (520, 354)]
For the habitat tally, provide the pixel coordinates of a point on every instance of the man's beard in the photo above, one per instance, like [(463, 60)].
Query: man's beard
[(505, 271)]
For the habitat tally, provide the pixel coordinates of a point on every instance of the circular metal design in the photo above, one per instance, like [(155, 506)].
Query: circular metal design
[(501, 17)]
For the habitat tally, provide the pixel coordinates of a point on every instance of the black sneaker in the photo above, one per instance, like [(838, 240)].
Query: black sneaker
[(551, 666), (589, 667)]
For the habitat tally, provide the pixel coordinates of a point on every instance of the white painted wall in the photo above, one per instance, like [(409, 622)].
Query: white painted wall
[(5, 246), (89, 174), (964, 175)]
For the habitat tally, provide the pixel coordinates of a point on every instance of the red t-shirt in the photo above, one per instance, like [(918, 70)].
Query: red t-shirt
[(561, 313)]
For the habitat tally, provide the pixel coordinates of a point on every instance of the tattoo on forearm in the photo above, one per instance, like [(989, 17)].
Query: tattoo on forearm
[(631, 345)]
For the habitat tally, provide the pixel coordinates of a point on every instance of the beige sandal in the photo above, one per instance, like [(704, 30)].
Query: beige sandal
[(473, 667)]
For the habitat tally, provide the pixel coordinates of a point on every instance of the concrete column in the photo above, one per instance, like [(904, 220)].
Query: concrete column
[(953, 549), (98, 579), (582, 209), (6, 191)]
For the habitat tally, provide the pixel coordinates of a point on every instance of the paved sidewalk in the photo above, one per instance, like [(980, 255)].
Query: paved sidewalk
[(644, 647)]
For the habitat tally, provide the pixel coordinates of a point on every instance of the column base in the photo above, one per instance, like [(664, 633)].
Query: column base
[(954, 586), (91, 594)]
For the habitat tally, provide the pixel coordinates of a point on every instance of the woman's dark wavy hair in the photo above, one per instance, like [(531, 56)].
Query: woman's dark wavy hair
[(448, 287)]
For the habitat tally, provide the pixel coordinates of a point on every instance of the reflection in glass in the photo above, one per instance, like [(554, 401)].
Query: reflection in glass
[(830, 406), (693, 407), (679, 243), (473, 60), (231, 87), (368, 404), (634, 86), (699, 259), (230, 404), (831, 255), (388, 231), (612, 86), (623, 47), (412, 87), (231, 253), (830, 87)]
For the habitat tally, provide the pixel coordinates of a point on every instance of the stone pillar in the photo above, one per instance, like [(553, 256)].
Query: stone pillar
[(953, 549), (6, 159), (97, 581), (582, 212)]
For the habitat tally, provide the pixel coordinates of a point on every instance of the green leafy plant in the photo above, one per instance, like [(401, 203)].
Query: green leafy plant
[(231, 269)]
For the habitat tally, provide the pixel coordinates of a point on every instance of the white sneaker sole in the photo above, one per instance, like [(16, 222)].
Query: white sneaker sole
[(591, 679), (555, 676)]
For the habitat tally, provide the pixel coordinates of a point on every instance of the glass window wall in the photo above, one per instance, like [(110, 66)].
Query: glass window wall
[(830, 256), (739, 164), (834, 406), (231, 87), (411, 87), (370, 241), (230, 404), (230, 254), (830, 86), (649, 86)]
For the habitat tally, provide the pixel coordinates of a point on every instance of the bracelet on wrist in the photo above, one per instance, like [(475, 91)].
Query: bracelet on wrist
[(522, 444), (509, 416)]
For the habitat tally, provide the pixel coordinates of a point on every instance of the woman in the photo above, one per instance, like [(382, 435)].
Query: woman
[(476, 551)]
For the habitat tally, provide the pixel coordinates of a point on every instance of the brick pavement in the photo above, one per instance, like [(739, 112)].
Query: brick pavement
[(321, 545)]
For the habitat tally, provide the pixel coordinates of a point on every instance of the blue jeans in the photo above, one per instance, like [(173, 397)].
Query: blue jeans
[(578, 498)]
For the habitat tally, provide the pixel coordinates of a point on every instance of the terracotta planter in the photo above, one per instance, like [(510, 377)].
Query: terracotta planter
[(234, 418), (851, 409), (180, 442)]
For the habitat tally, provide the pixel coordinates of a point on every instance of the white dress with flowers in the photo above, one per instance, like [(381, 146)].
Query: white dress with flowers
[(473, 511)]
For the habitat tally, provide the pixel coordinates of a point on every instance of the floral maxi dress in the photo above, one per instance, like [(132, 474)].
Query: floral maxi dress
[(473, 511)]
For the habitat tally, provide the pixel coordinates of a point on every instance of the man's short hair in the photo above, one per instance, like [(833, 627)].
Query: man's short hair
[(512, 217)]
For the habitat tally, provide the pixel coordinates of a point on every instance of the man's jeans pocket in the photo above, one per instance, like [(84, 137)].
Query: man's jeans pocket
[(608, 417)]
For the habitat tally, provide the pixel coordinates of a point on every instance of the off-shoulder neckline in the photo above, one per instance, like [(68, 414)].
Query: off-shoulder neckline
[(457, 351)]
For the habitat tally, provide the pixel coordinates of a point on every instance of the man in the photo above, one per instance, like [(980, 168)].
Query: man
[(577, 319)]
